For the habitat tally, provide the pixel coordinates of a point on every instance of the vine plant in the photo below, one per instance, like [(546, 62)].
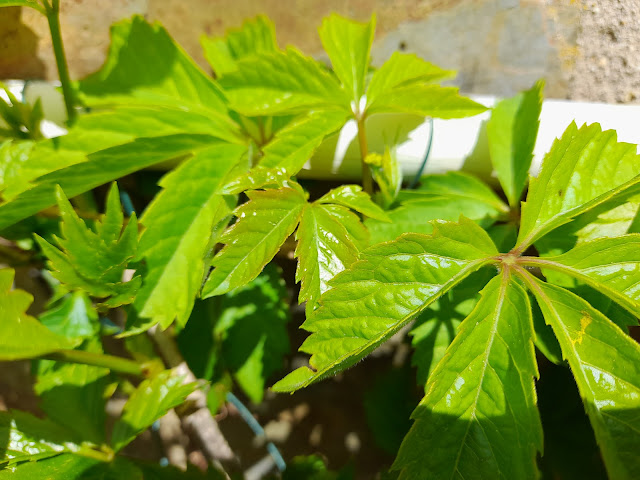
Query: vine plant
[(369, 262)]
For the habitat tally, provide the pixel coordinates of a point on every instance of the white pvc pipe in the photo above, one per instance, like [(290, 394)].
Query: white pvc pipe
[(457, 144)]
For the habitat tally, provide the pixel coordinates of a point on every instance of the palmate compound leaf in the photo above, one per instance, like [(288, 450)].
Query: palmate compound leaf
[(264, 223), (583, 169), (352, 196), (179, 224), (367, 304), (94, 261), (255, 36), (605, 362), (478, 418), (348, 45), (22, 336), (151, 400), (512, 132)]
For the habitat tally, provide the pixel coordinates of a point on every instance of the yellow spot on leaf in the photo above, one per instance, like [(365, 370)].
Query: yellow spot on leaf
[(585, 321)]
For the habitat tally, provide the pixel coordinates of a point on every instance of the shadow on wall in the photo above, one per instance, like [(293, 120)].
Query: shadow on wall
[(19, 47)]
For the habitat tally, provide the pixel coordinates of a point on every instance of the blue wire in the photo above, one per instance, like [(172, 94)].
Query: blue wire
[(127, 204), (257, 430), (416, 179)]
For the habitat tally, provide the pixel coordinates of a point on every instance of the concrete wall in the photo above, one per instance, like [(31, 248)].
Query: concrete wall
[(586, 50)]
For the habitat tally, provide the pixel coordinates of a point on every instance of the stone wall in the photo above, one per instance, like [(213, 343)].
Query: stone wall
[(585, 50)]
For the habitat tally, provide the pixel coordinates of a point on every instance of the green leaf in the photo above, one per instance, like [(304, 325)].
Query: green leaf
[(23, 436), (294, 145), (388, 405), (255, 37), (348, 44), (437, 326), (426, 100), (358, 233), (174, 246), (610, 265), (443, 197), (264, 223), (281, 83), (59, 467), (151, 400), (73, 395), (93, 261), (23, 3), (387, 172), (367, 304), (512, 132), (99, 168), (252, 326), (402, 69), (72, 317), (479, 417), (352, 196), (583, 169), (324, 249), (606, 365), (22, 336), (145, 66)]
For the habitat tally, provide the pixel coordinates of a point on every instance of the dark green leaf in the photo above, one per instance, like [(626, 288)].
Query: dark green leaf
[(367, 304)]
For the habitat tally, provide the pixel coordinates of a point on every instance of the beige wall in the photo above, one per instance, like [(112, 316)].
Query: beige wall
[(585, 50)]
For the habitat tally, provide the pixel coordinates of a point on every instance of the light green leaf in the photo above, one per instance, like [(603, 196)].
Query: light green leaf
[(177, 237), (59, 467), (145, 66), (583, 169), (151, 400), (443, 197), (352, 196), (324, 249), (22, 436), (294, 145), (22, 336), (367, 304), (93, 261), (512, 132), (73, 316), (255, 37), (257, 178), (387, 172), (101, 167), (23, 3), (252, 326), (606, 365), (72, 395), (281, 83), (351, 222), (426, 100), (400, 70), (610, 265), (348, 44), (479, 417), (264, 223)]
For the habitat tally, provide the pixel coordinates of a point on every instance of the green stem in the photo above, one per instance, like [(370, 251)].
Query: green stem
[(367, 178), (117, 364), (52, 11)]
